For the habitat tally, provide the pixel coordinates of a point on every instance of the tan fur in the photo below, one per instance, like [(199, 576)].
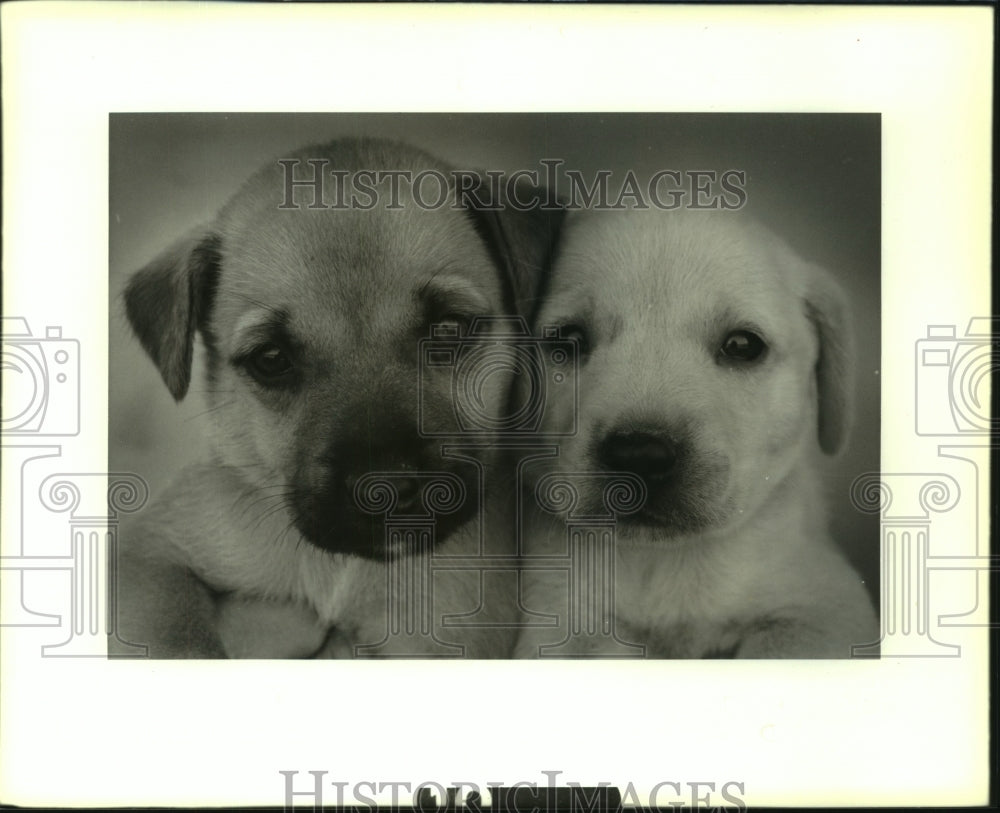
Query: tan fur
[(739, 561), (221, 565)]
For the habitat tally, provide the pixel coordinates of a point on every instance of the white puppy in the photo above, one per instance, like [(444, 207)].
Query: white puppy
[(714, 372)]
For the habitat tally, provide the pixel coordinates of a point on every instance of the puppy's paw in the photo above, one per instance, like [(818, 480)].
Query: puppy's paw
[(255, 628)]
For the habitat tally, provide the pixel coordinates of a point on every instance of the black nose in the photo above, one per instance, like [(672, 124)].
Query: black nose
[(642, 453)]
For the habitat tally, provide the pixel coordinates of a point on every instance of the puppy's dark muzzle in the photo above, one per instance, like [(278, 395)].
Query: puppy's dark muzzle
[(374, 489), (662, 457), (651, 457)]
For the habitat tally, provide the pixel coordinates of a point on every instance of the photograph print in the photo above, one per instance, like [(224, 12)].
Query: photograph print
[(413, 386)]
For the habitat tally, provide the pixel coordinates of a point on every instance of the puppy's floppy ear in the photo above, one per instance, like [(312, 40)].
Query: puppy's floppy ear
[(168, 299), (828, 309), (522, 235)]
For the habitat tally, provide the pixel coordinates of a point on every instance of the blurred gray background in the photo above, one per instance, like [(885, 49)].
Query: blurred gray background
[(815, 178)]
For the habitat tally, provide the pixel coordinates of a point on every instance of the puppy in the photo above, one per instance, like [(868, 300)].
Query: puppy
[(311, 315), (714, 374)]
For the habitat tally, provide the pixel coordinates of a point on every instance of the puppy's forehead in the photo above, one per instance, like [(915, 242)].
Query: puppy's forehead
[(318, 264), (314, 264), (686, 261)]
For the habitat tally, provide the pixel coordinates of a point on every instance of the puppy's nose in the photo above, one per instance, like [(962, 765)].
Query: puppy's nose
[(647, 455)]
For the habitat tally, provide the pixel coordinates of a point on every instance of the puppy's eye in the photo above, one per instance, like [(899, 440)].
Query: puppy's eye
[(743, 345), (270, 365), (577, 333)]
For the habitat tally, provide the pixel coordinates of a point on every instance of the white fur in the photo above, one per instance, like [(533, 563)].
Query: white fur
[(757, 575)]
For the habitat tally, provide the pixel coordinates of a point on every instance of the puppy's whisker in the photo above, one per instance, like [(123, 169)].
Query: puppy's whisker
[(280, 539), (268, 498), (270, 512), (266, 502), (255, 498)]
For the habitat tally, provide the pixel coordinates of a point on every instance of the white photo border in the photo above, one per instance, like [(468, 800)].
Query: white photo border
[(899, 730)]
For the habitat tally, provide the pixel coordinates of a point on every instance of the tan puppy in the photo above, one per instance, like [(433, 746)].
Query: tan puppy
[(311, 318), (714, 371)]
